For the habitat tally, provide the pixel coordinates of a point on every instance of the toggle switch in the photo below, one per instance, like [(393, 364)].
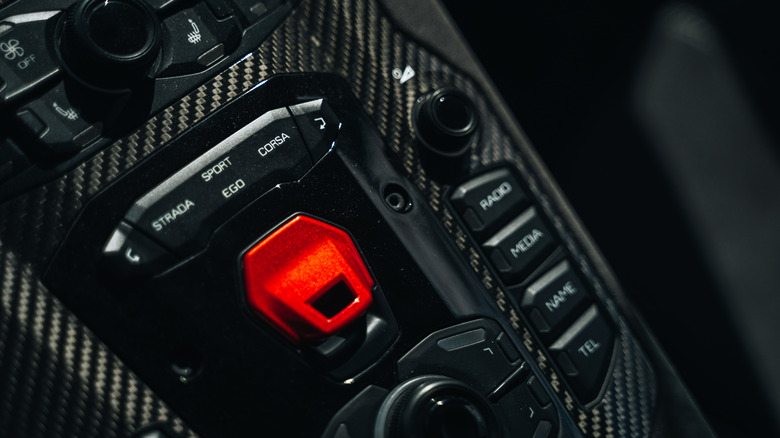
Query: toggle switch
[(307, 279)]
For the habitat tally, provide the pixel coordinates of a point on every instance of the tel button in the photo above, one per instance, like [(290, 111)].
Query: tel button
[(131, 256), (487, 200), (583, 353)]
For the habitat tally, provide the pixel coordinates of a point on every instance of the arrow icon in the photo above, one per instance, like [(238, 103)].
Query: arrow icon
[(532, 412), (132, 258), (321, 120)]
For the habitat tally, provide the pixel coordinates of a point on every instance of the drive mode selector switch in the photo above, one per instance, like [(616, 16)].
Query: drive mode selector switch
[(110, 45), (434, 406)]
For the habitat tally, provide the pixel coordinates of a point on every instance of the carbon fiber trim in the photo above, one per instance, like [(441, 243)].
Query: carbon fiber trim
[(57, 379)]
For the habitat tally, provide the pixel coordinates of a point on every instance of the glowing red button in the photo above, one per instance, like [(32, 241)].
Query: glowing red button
[(307, 279)]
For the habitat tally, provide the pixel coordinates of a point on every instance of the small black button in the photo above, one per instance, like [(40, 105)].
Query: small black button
[(163, 5), (183, 211), (554, 299), (520, 247), (543, 430), (319, 126), (342, 432), (194, 40), (508, 347), (26, 62), (12, 160), (56, 125), (220, 8), (131, 256), (526, 413), (253, 10), (489, 199), (584, 352), (538, 391), (467, 351)]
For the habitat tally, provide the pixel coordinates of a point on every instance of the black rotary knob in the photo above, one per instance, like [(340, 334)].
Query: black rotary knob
[(436, 407), (110, 44), (446, 121)]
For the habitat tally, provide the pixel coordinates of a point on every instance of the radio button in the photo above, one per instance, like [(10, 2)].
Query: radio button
[(488, 200)]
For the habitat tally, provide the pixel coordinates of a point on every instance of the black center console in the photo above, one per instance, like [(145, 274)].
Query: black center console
[(334, 235)]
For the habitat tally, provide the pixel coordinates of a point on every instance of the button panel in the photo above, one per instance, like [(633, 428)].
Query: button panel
[(524, 252), (183, 211), (117, 92)]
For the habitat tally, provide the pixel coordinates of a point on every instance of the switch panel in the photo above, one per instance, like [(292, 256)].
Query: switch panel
[(181, 213)]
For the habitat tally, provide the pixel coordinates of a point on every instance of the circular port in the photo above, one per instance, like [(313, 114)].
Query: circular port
[(397, 198)]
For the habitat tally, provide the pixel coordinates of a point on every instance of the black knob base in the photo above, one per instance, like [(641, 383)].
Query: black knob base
[(110, 45), (436, 407)]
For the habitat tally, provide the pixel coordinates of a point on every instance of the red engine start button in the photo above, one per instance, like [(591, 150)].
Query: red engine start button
[(307, 279)]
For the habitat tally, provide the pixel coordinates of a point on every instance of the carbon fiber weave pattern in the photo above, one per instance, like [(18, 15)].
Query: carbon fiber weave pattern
[(57, 379)]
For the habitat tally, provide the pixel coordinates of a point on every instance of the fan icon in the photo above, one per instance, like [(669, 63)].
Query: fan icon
[(11, 49)]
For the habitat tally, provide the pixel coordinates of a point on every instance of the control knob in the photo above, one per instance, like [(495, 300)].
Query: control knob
[(110, 44), (436, 407), (446, 122)]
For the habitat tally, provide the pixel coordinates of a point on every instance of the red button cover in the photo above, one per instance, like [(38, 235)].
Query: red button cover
[(288, 271)]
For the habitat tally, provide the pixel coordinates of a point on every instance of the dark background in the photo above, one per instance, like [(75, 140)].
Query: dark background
[(567, 70)]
